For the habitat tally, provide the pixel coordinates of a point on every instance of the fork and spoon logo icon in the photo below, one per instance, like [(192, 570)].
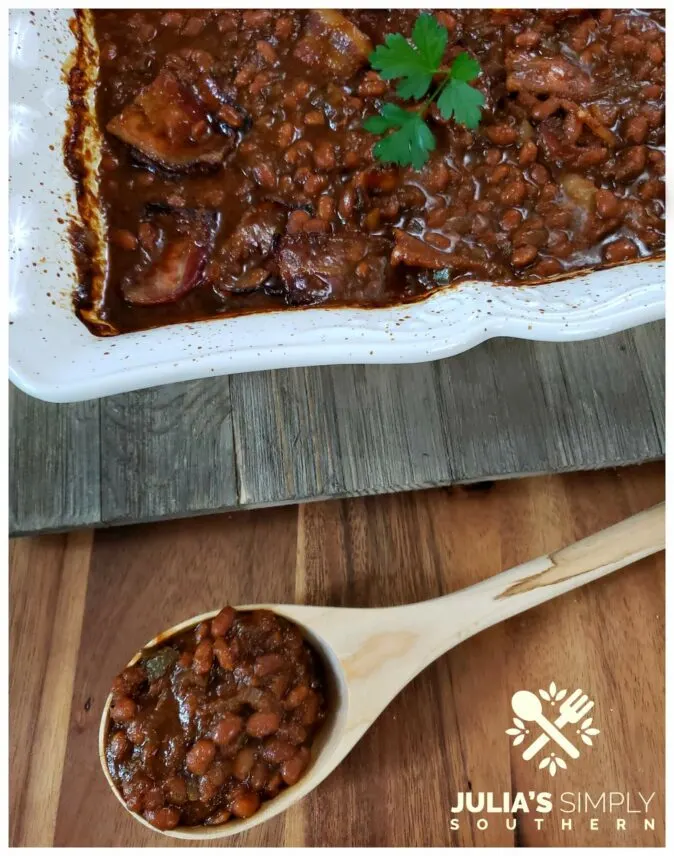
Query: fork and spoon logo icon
[(528, 709)]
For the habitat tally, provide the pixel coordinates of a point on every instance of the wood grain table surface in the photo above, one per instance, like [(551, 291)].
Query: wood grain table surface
[(506, 408), (82, 603)]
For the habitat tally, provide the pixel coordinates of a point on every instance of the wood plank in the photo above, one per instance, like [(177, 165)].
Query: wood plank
[(287, 448), (649, 341), (47, 586), (54, 464), (506, 408), (167, 452), (390, 428), (445, 732)]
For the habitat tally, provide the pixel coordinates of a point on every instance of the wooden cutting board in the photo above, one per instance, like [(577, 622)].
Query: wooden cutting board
[(81, 604), (506, 408)]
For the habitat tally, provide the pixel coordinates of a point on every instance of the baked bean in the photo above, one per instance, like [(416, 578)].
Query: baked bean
[(296, 696), (559, 218), (175, 789), (134, 791), (200, 757), (296, 221), (502, 135), (222, 621), (636, 129), (606, 203), (244, 763), (630, 162), (499, 173), (548, 267), (276, 751), (528, 153), (167, 817), (274, 783), (261, 724), (230, 116), (256, 18), (268, 664), (653, 188), (347, 202), (524, 255), (130, 680), (314, 184), (221, 816), (173, 20), (530, 233), (314, 117), (292, 769), (655, 53), (193, 26), (298, 151), (326, 207), (292, 732), (539, 174), (621, 250), (264, 175), (286, 135), (203, 657), (154, 798), (514, 193), (267, 52), (120, 746), (436, 176), (372, 85), (528, 39), (258, 776), (211, 782), (123, 709), (324, 155), (227, 728), (283, 28), (244, 802), (511, 219)]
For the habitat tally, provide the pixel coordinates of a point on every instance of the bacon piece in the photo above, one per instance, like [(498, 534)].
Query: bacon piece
[(168, 125), (333, 44), (547, 76), (242, 263), (176, 263), (314, 266)]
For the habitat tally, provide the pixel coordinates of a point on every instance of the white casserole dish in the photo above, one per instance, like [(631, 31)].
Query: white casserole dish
[(54, 357)]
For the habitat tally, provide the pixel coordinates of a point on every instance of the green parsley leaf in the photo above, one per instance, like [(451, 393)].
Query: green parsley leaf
[(409, 145), (390, 116), (415, 63), (462, 102), (430, 37), (465, 67)]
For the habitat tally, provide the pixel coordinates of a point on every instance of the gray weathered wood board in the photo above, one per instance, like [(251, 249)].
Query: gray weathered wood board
[(506, 408)]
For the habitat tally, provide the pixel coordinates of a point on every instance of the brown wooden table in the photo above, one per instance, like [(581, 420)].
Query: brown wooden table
[(82, 603)]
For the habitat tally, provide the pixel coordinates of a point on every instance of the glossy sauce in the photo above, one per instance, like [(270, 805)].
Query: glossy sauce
[(260, 191)]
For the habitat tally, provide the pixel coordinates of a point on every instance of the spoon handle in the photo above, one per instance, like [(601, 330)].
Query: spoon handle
[(471, 610), (553, 732)]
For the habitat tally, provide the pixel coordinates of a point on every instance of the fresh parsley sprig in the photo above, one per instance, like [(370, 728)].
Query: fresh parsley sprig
[(417, 64)]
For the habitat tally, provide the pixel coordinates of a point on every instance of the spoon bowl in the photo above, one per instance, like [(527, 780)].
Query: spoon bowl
[(526, 705), (369, 655)]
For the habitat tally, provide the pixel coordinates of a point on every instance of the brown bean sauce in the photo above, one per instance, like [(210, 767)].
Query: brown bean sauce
[(215, 722), (236, 175)]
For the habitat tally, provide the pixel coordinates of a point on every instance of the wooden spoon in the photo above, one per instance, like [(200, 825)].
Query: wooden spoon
[(371, 654)]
